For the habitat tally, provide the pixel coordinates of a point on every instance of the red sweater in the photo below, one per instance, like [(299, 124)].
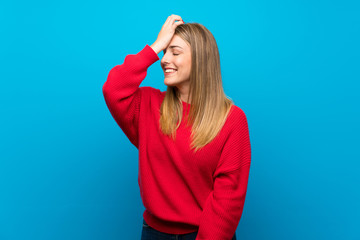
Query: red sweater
[(182, 191)]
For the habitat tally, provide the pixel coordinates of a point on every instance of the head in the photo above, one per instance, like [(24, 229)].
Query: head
[(194, 55), (176, 63)]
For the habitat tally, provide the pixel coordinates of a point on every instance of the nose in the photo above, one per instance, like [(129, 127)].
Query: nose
[(165, 59)]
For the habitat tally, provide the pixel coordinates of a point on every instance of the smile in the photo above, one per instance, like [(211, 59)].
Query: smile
[(170, 72)]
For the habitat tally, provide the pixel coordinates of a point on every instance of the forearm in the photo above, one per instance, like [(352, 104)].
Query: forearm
[(156, 47)]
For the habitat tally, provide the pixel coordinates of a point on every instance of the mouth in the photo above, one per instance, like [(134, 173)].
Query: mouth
[(169, 71)]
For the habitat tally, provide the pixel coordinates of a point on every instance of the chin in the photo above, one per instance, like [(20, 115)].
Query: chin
[(169, 83)]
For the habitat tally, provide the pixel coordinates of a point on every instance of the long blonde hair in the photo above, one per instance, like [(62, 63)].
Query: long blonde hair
[(209, 105)]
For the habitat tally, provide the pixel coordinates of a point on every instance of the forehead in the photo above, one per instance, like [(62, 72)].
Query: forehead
[(178, 41)]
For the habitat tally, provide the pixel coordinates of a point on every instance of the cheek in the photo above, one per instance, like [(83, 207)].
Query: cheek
[(184, 65)]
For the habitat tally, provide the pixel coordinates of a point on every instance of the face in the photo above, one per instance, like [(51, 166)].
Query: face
[(176, 63)]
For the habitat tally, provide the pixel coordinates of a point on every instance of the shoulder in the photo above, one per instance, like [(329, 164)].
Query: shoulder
[(151, 95), (150, 91), (237, 124), (238, 111), (237, 115)]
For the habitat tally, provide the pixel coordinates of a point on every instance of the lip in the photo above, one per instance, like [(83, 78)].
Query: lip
[(169, 73)]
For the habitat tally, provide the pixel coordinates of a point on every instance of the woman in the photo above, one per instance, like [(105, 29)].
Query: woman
[(193, 142)]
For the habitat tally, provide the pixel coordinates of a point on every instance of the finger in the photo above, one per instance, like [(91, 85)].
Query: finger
[(179, 23), (175, 17), (170, 19)]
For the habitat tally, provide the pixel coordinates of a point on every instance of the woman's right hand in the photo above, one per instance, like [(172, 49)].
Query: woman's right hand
[(166, 33)]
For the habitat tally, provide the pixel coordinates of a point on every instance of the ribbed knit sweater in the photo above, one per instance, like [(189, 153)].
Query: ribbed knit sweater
[(182, 191)]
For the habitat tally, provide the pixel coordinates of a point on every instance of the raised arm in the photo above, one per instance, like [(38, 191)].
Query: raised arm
[(122, 92)]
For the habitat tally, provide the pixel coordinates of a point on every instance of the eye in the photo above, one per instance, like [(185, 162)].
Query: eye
[(175, 54)]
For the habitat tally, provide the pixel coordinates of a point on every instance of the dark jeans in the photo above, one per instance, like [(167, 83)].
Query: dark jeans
[(149, 233)]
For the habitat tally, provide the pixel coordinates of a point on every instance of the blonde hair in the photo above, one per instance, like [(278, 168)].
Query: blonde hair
[(209, 105)]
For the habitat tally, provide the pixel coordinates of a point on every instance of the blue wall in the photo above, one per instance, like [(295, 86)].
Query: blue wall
[(67, 171)]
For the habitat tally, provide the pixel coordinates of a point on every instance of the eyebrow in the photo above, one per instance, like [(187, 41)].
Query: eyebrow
[(172, 46)]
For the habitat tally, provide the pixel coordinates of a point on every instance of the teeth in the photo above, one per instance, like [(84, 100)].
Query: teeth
[(170, 70)]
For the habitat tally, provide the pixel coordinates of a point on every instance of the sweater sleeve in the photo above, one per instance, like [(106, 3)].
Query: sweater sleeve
[(224, 206), (122, 92)]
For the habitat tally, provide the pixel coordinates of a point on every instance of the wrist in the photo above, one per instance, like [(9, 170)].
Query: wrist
[(156, 48)]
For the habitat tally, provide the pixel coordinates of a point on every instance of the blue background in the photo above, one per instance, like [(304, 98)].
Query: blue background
[(67, 171)]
